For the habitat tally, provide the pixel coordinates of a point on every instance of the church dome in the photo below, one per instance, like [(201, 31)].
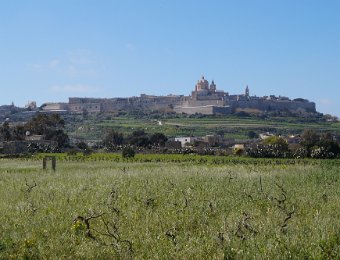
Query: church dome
[(202, 84)]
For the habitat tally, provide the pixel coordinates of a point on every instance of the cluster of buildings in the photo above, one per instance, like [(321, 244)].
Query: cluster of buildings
[(217, 141), (204, 99)]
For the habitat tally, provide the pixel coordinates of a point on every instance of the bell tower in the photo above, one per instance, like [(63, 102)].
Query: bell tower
[(246, 93), (213, 86)]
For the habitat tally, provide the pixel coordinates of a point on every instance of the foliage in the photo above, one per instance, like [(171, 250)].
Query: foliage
[(309, 139), (5, 133), (128, 152), (271, 147), (37, 147), (252, 134), (300, 153), (113, 139), (50, 126), (139, 138), (276, 140), (158, 139), (42, 124), (267, 151), (319, 146), (82, 145)]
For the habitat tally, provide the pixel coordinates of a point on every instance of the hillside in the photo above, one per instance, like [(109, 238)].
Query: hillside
[(92, 127)]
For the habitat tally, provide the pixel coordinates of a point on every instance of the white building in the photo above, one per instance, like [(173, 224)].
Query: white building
[(185, 141)]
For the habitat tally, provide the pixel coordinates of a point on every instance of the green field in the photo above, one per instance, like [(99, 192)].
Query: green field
[(228, 126), (169, 207)]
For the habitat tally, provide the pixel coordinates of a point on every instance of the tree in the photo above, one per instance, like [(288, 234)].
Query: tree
[(82, 145), (51, 126), (113, 139), (319, 146), (329, 147), (139, 138), (309, 139), (41, 124), (158, 139), (18, 132), (252, 134), (277, 141), (5, 132)]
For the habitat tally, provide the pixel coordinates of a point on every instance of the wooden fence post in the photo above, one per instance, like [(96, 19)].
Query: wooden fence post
[(44, 163), (53, 163), (48, 158)]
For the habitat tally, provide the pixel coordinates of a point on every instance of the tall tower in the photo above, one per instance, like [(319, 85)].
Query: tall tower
[(246, 93), (213, 86)]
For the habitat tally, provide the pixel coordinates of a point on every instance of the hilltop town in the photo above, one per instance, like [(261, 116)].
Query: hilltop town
[(205, 99)]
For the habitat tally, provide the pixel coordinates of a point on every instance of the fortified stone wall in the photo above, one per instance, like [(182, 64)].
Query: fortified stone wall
[(204, 110), (55, 106), (277, 105), (161, 102), (193, 103), (88, 107)]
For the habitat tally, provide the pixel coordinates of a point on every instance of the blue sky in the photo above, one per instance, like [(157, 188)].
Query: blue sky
[(52, 50)]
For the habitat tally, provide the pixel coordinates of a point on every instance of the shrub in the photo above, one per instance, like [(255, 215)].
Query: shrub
[(72, 152), (128, 152), (267, 151), (321, 153), (300, 153), (238, 151)]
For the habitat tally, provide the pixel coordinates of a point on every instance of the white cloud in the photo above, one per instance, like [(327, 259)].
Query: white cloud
[(326, 102), (81, 57), (35, 67), (43, 67), (53, 63), (76, 63), (76, 89), (131, 47)]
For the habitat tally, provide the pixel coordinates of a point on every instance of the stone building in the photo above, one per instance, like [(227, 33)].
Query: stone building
[(204, 99)]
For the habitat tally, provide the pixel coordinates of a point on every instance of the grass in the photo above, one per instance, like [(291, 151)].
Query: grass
[(157, 207)]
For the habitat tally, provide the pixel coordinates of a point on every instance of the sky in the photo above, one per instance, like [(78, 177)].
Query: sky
[(52, 50)]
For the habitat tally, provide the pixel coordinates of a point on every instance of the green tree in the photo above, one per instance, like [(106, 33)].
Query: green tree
[(18, 132), (43, 123), (113, 139), (252, 134), (51, 126), (277, 141), (331, 148), (309, 139), (139, 138), (82, 145), (5, 132), (158, 139)]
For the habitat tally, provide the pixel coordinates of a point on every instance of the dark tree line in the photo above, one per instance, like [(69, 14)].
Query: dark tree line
[(138, 138)]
